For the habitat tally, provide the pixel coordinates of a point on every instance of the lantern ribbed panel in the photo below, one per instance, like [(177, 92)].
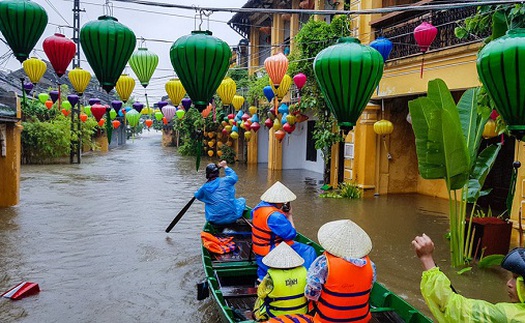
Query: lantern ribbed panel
[(175, 90), (22, 22), (383, 127), (125, 86), (348, 73), (107, 45), (276, 67), (169, 112), (60, 51), (144, 62), (79, 78), (133, 117), (425, 34), (227, 90), (237, 102), (501, 65), (383, 46), (201, 62), (34, 68), (283, 88)]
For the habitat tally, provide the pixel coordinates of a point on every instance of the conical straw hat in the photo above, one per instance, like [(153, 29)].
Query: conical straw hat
[(278, 193), (283, 257), (345, 239)]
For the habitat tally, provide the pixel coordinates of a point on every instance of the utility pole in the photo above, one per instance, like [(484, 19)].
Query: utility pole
[(76, 31)]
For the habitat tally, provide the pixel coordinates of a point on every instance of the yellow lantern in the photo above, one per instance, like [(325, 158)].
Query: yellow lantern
[(219, 153), (283, 88), (175, 90), (219, 145), (211, 134), (253, 110), (247, 135), (226, 90), (146, 111), (237, 101), (34, 68), (125, 86), (79, 79), (276, 124), (229, 143), (490, 129), (383, 127), (234, 135), (210, 153), (211, 144), (290, 119)]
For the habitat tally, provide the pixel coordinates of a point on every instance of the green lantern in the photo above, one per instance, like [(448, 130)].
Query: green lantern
[(348, 73), (201, 62), (144, 62), (500, 68), (133, 117), (22, 22), (112, 114), (108, 45)]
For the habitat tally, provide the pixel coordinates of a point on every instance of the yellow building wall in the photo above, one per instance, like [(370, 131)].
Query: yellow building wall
[(10, 164)]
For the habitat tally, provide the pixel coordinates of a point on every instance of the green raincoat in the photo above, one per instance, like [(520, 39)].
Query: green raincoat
[(447, 306)]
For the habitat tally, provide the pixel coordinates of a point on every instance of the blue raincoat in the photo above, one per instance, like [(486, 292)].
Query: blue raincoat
[(221, 206)]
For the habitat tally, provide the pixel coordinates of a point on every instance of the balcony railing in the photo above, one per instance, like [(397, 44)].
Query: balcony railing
[(401, 33)]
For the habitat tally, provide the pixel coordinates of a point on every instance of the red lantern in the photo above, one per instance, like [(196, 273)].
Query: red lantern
[(116, 124), (424, 34), (245, 117), (101, 122), (148, 122), (276, 66), (98, 110), (494, 115), (288, 128), (256, 126), (83, 117), (268, 123), (279, 134), (49, 104), (60, 51), (65, 112), (164, 120)]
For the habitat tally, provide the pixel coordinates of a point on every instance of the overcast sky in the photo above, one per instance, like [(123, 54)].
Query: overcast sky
[(160, 27)]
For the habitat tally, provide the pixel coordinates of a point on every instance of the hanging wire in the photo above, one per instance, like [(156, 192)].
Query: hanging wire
[(108, 8)]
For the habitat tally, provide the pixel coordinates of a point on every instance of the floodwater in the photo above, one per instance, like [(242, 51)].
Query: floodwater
[(92, 236)]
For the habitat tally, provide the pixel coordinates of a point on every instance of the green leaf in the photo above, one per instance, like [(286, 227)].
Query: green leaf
[(464, 270), (456, 156), (499, 24), (460, 32), (484, 163), (491, 260)]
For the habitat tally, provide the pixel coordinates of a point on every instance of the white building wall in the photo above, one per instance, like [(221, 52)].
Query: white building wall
[(262, 145)]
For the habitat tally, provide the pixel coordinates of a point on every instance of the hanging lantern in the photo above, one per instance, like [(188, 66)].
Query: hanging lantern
[(80, 79), (28, 87), (98, 111), (93, 101), (112, 114), (424, 34), (144, 62), (34, 68), (276, 66), (83, 117), (279, 134), (247, 135), (489, 131), (255, 126), (133, 117), (288, 128), (116, 104), (348, 73), (237, 102), (283, 88), (101, 122), (169, 112), (252, 109), (201, 62), (234, 135), (290, 119), (180, 113), (49, 104), (383, 127), (22, 22), (383, 46), (158, 115), (186, 103), (108, 46), (115, 124), (226, 90), (138, 106), (60, 51), (175, 91), (499, 68), (162, 104), (206, 112), (148, 123), (53, 95), (125, 86), (72, 99), (268, 93), (299, 80)]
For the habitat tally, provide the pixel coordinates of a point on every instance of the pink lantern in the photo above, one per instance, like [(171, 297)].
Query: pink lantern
[(169, 112), (256, 126), (299, 80), (424, 34)]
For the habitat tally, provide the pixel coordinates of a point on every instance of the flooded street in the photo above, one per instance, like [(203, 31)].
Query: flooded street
[(92, 236)]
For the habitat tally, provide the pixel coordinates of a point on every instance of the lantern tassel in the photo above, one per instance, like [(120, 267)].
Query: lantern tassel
[(422, 64)]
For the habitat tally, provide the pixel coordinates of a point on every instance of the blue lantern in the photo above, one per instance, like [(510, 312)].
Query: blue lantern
[(383, 46), (268, 93)]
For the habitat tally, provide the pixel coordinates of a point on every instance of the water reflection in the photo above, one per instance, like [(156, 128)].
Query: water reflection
[(92, 235)]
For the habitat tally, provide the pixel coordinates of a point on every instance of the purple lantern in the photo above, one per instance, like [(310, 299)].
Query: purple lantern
[(116, 104), (138, 106), (28, 87), (186, 103), (93, 101), (162, 104), (73, 99), (53, 95), (383, 46)]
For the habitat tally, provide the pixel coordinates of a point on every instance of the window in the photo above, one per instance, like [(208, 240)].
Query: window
[(311, 152), (349, 151)]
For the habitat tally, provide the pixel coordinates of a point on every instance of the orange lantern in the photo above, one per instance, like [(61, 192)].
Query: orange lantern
[(276, 66), (210, 153), (116, 124), (83, 117), (206, 112), (49, 104), (279, 134), (65, 112), (229, 143), (101, 122), (148, 122), (219, 153)]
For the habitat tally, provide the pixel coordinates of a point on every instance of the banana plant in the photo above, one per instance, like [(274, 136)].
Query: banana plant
[(448, 137)]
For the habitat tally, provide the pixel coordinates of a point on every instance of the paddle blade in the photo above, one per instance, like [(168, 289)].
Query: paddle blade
[(179, 216)]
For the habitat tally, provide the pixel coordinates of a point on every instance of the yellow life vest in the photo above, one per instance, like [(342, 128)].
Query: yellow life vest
[(287, 296)]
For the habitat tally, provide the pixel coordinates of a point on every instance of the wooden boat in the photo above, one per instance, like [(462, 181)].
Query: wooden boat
[(231, 280)]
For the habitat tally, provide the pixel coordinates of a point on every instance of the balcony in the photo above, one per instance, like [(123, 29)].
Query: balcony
[(399, 28)]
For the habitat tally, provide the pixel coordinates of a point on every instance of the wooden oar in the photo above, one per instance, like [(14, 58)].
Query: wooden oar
[(179, 216)]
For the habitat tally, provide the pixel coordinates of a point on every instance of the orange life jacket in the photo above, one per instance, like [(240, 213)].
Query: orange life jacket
[(262, 236), (291, 318), (345, 295), (217, 245)]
